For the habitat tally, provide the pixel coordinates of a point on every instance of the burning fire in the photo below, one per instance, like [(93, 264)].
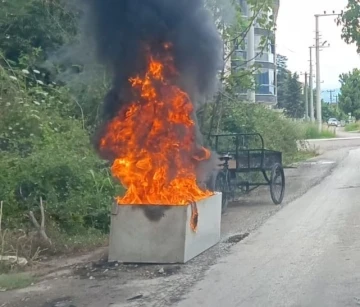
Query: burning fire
[(153, 138)]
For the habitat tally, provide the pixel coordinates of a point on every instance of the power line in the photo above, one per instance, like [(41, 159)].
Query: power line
[(331, 92)]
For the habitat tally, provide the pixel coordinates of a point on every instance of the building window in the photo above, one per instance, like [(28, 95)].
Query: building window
[(266, 54), (265, 82), (265, 90)]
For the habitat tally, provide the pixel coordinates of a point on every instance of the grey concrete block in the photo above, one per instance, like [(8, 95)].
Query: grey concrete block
[(162, 234)]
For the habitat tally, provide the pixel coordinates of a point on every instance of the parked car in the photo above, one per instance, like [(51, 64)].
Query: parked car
[(333, 122)]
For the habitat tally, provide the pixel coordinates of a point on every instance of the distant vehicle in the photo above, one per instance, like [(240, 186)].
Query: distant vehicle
[(333, 122)]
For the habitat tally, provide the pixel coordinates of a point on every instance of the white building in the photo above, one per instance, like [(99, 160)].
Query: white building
[(249, 53)]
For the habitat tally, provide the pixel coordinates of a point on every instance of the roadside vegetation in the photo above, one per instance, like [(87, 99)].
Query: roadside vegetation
[(279, 132), (352, 127), (15, 281), (55, 192), (310, 131)]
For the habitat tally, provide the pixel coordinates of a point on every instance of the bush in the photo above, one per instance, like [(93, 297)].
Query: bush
[(66, 174), (352, 127), (310, 131), (279, 133), (45, 153)]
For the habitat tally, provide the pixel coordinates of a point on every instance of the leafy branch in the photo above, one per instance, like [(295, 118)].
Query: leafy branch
[(350, 21)]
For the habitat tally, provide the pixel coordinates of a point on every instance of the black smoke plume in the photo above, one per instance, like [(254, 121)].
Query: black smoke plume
[(121, 29)]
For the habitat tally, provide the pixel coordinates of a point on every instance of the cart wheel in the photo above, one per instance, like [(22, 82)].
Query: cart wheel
[(222, 185), (277, 184)]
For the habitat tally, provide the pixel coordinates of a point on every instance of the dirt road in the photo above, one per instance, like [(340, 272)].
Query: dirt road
[(101, 285)]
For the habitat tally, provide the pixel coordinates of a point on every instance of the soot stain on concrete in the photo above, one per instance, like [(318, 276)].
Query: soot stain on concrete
[(155, 213)]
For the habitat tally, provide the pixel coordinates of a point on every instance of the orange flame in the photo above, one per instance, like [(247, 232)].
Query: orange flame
[(153, 138)]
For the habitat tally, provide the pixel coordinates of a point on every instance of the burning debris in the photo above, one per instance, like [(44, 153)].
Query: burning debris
[(153, 140), (164, 57)]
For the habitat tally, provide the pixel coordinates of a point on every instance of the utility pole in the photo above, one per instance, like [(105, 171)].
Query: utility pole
[(331, 91), (318, 89), (306, 98), (306, 95), (337, 102), (311, 88), (317, 47)]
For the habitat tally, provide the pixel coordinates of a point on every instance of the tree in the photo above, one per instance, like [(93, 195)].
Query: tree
[(349, 98), (350, 21), (283, 75), (234, 31), (32, 24), (331, 110), (289, 91), (293, 102)]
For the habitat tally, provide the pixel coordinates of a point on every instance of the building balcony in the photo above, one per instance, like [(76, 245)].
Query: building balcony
[(269, 100)]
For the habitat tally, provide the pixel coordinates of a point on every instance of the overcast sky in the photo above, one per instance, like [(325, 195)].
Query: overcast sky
[(296, 32)]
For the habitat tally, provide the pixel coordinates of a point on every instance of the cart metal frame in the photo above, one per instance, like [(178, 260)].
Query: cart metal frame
[(245, 153)]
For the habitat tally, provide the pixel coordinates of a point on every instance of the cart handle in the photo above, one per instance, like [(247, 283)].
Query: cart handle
[(242, 134), (225, 157)]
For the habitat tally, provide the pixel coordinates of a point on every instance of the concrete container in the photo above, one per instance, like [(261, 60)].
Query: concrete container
[(163, 234)]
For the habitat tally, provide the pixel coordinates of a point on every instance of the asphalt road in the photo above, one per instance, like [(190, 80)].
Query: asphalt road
[(308, 254), (343, 140)]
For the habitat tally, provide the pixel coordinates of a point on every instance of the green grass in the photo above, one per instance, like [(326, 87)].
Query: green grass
[(15, 281), (302, 155), (32, 249), (77, 243), (352, 127), (310, 131)]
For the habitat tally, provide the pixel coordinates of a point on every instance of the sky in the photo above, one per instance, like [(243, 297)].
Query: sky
[(296, 32)]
